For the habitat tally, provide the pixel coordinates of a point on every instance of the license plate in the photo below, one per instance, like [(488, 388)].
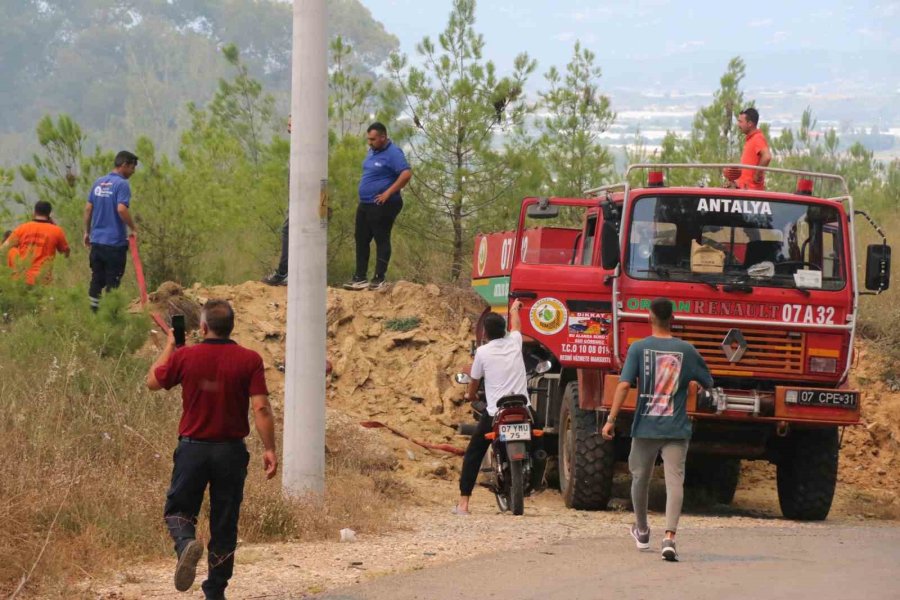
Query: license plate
[(515, 432), (831, 398)]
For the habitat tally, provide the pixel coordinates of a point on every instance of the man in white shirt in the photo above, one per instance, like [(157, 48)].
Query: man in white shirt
[(501, 365)]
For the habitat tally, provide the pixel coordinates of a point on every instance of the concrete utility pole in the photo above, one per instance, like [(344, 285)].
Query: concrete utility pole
[(304, 391)]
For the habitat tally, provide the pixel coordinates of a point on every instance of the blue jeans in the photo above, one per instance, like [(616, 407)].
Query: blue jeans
[(222, 466)]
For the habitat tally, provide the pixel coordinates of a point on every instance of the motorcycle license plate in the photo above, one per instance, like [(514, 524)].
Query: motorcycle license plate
[(515, 432)]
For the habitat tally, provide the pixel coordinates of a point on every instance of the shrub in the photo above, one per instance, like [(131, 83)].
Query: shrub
[(402, 323)]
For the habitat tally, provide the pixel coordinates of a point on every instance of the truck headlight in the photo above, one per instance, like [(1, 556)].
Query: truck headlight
[(818, 364)]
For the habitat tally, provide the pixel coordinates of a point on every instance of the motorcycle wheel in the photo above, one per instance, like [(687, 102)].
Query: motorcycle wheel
[(502, 501), (516, 487), (499, 485)]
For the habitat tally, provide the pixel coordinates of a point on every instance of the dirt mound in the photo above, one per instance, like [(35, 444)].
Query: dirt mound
[(870, 456), (394, 353), (170, 299)]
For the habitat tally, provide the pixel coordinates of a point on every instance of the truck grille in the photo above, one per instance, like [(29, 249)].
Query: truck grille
[(769, 351)]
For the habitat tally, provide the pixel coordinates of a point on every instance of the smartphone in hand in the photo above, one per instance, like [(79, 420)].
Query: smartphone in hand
[(178, 329)]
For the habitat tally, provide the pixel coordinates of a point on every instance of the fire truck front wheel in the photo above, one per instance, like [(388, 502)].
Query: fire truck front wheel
[(712, 478), (585, 458), (807, 474)]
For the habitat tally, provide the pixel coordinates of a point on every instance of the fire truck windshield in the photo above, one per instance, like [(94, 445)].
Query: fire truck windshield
[(728, 240)]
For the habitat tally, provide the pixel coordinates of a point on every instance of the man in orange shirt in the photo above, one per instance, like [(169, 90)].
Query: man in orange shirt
[(756, 152), (35, 244)]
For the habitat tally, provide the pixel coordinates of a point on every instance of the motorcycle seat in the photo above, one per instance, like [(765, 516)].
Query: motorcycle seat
[(513, 400)]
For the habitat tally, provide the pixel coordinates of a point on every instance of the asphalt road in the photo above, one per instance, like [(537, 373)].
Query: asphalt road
[(816, 562)]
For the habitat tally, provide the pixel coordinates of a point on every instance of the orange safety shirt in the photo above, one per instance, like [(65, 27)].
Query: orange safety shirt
[(753, 147), (35, 245)]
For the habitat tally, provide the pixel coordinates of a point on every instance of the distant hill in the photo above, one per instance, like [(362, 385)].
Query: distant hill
[(128, 67)]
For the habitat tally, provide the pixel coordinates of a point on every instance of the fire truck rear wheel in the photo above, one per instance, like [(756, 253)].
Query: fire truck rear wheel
[(585, 458), (807, 474)]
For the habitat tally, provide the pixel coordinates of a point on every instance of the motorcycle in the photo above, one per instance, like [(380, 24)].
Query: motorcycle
[(515, 462)]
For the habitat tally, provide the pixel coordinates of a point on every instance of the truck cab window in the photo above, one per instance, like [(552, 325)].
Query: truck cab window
[(733, 240), (566, 239), (587, 241)]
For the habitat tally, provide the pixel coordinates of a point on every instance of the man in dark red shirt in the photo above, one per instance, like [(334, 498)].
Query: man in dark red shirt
[(220, 381)]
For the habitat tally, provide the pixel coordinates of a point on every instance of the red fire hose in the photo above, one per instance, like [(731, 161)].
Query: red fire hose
[(142, 283), (444, 447)]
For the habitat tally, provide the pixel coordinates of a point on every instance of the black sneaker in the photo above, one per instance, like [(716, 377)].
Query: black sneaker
[(275, 278), (186, 569), (668, 551), (377, 283), (641, 538), (357, 283)]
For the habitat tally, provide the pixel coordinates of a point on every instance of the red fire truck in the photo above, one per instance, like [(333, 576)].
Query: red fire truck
[(763, 283)]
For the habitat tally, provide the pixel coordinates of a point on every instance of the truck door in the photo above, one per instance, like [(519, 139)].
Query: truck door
[(556, 273)]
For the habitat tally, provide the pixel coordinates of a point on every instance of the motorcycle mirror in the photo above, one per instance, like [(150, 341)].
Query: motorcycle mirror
[(462, 378), (543, 366)]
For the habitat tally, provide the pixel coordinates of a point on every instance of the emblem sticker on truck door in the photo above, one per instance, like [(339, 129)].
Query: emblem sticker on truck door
[(548, 316), (482, 255)]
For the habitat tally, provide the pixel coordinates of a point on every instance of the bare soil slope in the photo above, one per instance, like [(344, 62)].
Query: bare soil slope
[(394, 353)]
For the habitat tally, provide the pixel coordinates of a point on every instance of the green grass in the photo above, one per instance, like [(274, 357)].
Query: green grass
[(402, 323)]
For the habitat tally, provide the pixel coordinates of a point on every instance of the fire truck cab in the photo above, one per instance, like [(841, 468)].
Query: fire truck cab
[(763, 283)]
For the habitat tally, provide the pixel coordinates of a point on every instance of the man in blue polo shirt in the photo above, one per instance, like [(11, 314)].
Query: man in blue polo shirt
[(385, 173), (105, 217)]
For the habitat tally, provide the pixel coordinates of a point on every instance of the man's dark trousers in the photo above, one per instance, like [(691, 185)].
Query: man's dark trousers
[(107, 267), (285, 243), (222, 465), (375, 221), (478, 446)]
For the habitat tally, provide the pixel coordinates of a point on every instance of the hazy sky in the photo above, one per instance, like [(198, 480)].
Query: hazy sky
[(782, 41)]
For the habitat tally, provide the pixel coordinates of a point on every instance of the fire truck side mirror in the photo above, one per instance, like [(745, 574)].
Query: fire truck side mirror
[(609, 245), (542, 210), (878, 267)]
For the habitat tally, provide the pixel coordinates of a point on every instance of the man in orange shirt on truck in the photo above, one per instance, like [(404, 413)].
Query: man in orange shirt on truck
[(35, 244), (756, 152)]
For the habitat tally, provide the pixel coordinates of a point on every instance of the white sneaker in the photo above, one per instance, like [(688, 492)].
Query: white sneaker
[(641, 538), (668, 551), (357, 284)]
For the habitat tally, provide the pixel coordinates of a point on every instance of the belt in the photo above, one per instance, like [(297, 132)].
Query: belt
[(190, 440)]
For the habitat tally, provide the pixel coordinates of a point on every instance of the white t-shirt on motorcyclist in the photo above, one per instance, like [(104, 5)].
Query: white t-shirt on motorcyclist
[(501, 365)]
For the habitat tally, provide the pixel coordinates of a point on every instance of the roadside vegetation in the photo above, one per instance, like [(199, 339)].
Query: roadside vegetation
[(87, 450)]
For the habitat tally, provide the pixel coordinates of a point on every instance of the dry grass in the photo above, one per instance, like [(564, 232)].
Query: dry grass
[(80, 439), (87, 460), (360, 489)]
